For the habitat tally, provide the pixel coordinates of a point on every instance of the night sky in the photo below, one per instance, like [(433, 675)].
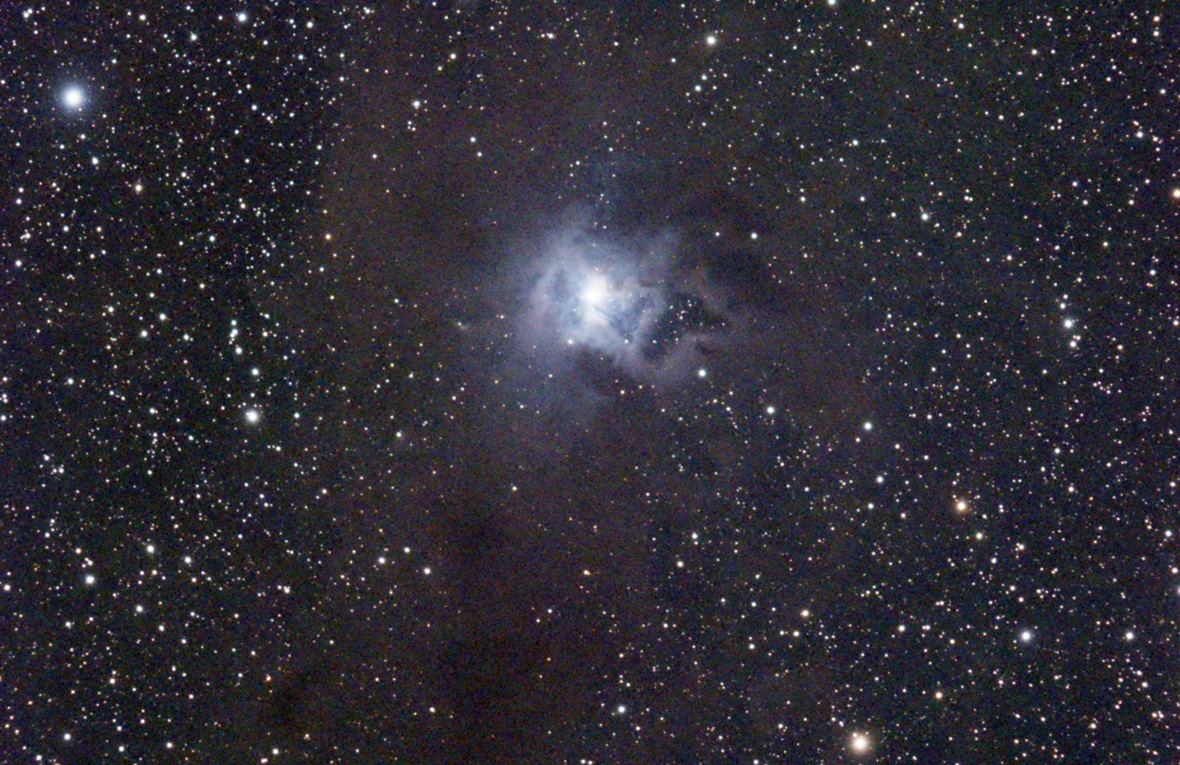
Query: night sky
[(589, 383)]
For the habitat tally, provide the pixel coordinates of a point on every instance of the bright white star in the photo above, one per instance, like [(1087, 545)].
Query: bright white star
[(595, 291), (73, 97), (860, 743)]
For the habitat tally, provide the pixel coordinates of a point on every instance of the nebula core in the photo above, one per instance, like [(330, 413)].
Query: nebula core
[(629, 299)]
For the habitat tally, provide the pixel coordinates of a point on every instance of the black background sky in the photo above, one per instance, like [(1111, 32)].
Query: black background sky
[(587, 382)]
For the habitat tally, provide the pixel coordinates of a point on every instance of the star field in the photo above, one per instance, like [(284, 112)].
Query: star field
[(589, 382)]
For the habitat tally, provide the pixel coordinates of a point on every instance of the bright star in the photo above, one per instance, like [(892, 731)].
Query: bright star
[(73, 97), (595, 291), (252, 416), (860, 743)]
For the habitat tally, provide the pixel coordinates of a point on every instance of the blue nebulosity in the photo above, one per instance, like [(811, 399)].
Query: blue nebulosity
[(626, 297)]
